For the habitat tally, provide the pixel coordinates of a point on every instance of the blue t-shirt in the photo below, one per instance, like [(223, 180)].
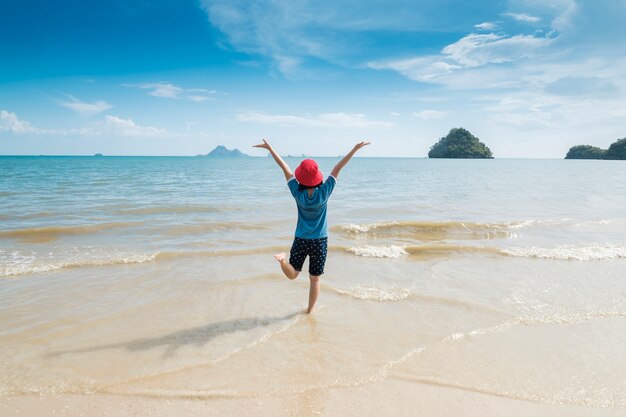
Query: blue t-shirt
[(312, 210)]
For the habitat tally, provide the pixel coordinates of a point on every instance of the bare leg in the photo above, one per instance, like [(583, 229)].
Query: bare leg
[(287, 268), (314, 291)]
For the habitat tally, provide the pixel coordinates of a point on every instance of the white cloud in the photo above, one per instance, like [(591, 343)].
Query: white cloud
[(425, 69), (165, 90), (11, 123), (532, 110), (126, 127), (582, 86), (486, 26), (198, 99), (289, 33), (476, 50), (109, 125), (564, 20), (83, 108), (430, 114), (523, 17), (169, 90), (470, 52), (322, 120)]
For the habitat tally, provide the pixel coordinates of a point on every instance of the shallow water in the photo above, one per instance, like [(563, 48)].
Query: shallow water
[(154, 276)]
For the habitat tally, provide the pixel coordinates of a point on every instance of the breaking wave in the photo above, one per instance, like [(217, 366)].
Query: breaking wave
[(424, 230), (422, 251), (589, 252), (14, 263), (379, 251), (26, 265)]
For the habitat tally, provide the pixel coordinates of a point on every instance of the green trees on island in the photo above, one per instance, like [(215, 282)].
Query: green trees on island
[(617, 150), (459, 143), (585, 152)]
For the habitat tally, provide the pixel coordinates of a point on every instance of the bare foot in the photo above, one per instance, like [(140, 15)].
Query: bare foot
[(287, 268)]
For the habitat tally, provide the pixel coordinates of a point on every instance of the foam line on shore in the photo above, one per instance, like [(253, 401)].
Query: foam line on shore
[(395, 294), (585, 252), (15, 263)]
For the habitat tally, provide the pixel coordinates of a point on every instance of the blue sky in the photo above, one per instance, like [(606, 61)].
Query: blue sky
[(530, 78)]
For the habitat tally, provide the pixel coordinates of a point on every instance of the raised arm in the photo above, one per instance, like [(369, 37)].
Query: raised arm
[(346, 159), (277, 158)]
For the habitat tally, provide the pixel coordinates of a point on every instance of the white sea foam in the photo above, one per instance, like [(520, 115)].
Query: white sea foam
[(556, 222), (571, 317), (390, 251), (482, 331), (364, 228), (571, 252), (19, 263), (376, 294), (532, 223)]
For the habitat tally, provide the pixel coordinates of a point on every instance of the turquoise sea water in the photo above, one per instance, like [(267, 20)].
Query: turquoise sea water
[(161, 267)]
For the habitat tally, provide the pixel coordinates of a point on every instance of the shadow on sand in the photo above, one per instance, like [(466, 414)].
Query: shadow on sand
[(196, 336)]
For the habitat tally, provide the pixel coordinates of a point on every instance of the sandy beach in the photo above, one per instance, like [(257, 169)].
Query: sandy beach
[(391, 397)]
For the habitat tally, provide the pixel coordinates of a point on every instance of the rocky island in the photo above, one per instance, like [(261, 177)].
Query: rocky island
[(459, 143), (617, 150), (221, 151)]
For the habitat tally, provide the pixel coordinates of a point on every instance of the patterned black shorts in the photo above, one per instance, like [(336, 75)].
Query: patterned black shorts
[(315, 249)]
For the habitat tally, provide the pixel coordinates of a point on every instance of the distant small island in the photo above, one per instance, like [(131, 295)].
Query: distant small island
[(459, 143), (98, 154), (617, 151), (269, 155), (221, 151)]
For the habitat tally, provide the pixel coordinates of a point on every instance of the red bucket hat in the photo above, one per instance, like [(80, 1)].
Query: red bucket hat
[(308, 173)]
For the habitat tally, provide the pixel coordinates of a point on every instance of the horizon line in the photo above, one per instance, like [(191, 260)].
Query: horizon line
[(255, 156)]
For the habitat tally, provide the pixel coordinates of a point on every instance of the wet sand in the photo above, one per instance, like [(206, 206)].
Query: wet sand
[(390, 397)]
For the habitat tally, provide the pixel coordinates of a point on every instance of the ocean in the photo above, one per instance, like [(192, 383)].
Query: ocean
[(154, 277)]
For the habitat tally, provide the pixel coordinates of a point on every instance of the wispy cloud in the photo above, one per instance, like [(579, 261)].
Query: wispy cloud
[(292, 34), (486, 26), (430, 114), (477, 50), (11, 123), (126, 127), (582, 86), (169, 90), (163, 90), (108, 126), (523, 17), (84, 108), (322, 120), (471, 51)]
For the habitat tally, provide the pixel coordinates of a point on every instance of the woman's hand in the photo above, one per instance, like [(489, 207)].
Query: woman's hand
[(360, 145), (277, 158), (345, 159), (264, 145)]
